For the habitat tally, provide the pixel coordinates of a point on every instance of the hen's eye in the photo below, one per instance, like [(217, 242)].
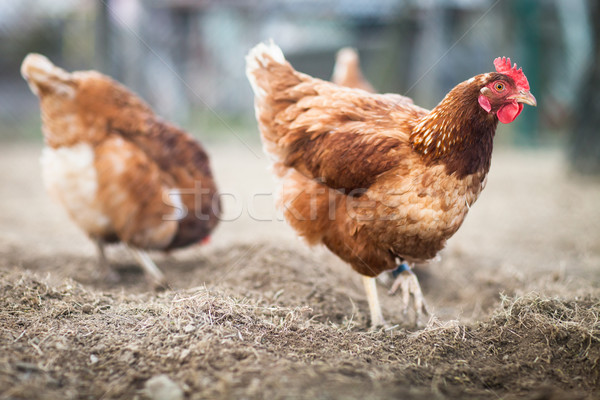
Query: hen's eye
[(499, 86)]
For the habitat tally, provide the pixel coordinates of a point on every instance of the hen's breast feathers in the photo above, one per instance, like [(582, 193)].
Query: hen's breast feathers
[(70, 177)]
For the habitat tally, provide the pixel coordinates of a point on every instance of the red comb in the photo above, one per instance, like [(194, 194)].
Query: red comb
[(503, 66)]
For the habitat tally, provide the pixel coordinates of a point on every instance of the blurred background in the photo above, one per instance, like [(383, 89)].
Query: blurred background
[(186, 57)]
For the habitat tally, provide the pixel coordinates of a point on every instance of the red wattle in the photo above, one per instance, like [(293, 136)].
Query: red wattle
[(508, 112)]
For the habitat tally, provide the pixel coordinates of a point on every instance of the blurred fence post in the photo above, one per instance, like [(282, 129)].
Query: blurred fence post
[(102, 33), (584, 152), (527, 14)]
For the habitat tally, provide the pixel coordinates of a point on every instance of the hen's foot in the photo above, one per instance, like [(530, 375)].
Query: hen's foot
[(407, 282), (105, 270), (153, 274), (377, 320)]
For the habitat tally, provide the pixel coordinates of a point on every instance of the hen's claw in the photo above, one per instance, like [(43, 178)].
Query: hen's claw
[(408, 284)]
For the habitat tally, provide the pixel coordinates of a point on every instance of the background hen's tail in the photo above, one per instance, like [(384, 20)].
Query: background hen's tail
[(44, 77), (347, 72)]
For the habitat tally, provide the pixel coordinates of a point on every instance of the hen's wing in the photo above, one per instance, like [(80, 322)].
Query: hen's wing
[(133, 193), (185, 164), (340, 136), (178, 157)]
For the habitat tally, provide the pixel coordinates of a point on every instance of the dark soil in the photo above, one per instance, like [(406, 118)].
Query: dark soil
[(256, 314)]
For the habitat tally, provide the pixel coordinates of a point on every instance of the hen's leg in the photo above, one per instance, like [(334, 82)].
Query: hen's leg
[(107, 271), (408, 283), (152, 272), (374, 306)]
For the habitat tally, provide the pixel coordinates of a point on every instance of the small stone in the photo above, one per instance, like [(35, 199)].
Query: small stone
[(161, 387), (93, 359), (184, 354), (87, 309), (189, 328)]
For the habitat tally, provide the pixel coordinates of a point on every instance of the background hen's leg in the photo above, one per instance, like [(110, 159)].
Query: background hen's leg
[(408, 283), (151, 270), (107, 271), (102, 261), (374, 306)]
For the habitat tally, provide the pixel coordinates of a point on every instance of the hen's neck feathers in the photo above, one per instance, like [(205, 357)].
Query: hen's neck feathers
[(457, 133)]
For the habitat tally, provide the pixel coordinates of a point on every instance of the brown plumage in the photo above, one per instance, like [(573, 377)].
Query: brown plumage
[(374, 177), (121, 172)]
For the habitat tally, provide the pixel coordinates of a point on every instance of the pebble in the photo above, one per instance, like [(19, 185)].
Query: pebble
[(161, 387)]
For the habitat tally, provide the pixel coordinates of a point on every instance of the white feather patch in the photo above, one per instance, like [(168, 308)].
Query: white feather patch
[(172, 198), (71, 179)]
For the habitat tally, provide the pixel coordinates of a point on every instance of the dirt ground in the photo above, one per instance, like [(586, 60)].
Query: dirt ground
[(257, 314)]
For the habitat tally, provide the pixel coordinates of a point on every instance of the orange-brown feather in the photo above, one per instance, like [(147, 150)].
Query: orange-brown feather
[(131, 192)]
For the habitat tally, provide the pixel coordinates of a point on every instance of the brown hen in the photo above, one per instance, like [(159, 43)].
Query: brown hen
[(121, 172), (375, 178)]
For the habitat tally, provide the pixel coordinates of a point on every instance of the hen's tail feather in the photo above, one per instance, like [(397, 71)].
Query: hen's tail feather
[(273, 80), (259, 59), (42, 75)]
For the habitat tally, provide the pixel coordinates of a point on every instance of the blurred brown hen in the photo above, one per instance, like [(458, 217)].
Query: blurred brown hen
[(121, 172), (374, 177)]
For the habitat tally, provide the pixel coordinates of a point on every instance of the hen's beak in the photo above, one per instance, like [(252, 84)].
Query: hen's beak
[(526, 97)]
